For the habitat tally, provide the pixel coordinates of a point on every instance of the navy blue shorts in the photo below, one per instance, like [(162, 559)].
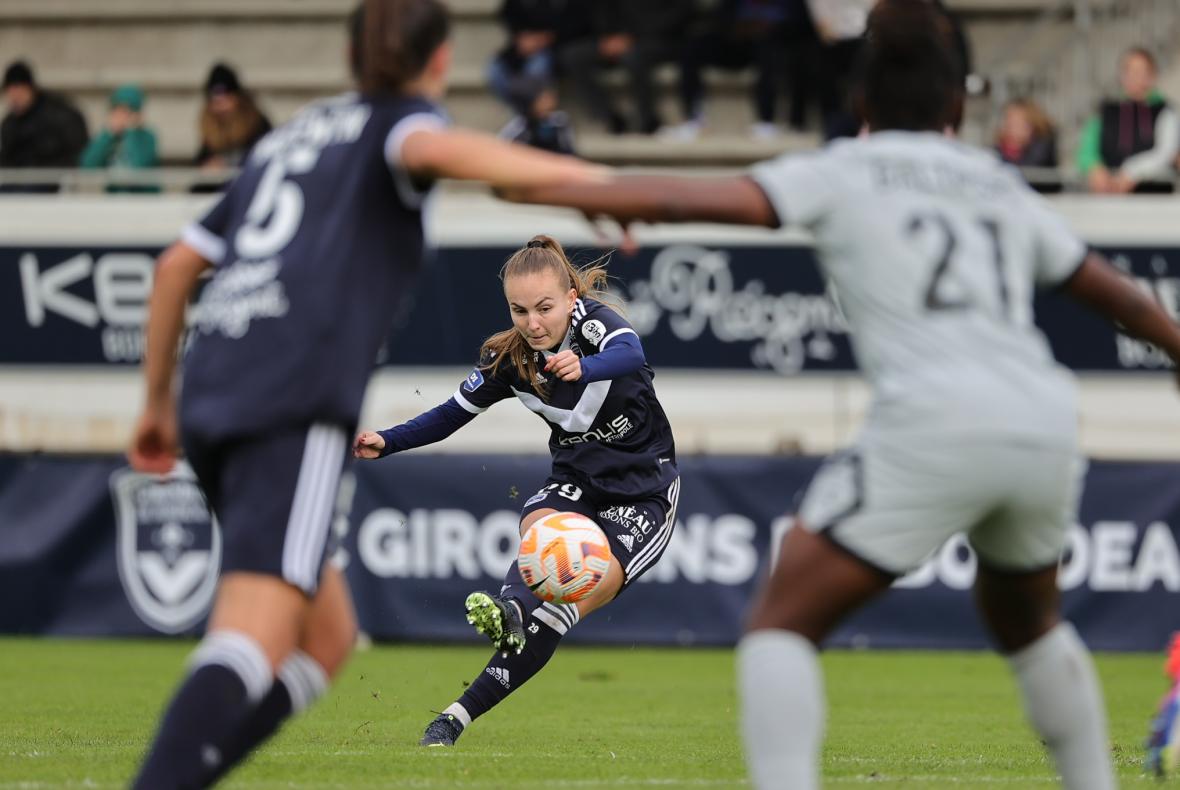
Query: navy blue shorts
[(638, 531), (275, 497)]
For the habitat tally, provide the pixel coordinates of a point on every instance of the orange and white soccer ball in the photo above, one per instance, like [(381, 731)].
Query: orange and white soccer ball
[(563, 557)]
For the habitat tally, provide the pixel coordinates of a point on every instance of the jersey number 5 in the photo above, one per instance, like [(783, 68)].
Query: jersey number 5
[(276, 210), (924, 224)]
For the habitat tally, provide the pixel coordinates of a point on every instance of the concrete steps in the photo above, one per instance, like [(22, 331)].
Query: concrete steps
[(291, 51)]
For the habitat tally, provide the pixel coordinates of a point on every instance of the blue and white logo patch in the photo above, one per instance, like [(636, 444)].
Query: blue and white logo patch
[(474, 381)]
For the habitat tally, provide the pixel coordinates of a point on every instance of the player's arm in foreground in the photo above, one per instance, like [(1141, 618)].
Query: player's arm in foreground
[(155, 442), (1110, 292), (475, 156), (732, 200)]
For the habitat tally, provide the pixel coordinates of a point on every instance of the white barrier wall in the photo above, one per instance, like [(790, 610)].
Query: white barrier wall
[(91, 408)]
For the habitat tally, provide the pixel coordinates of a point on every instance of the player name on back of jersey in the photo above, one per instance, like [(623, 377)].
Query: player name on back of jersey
[(937, 177), (330, 122)]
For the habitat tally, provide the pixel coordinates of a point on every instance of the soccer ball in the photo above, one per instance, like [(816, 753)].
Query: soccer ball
[(563, 557)]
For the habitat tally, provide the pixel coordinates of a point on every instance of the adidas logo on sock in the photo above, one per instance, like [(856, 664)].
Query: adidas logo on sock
[(500, 674), (628, 541)]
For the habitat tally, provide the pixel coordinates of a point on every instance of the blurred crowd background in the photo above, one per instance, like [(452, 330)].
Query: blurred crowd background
[(1068, 89)]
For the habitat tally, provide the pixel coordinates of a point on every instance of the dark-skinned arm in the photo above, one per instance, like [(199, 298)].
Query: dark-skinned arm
[(732, 200), (1109, 292)]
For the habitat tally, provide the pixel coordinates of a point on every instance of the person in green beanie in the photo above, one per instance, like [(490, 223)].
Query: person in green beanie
[(124, 142)]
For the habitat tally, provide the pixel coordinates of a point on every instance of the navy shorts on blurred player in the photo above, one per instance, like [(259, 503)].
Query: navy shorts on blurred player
[(639, 530), (275, 498)]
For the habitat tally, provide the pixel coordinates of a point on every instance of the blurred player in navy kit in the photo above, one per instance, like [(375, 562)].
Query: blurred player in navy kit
[(579, 366), (313, 248), (936, 251)]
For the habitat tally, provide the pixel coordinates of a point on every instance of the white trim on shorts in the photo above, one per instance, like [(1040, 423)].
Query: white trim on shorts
[(651, 552), (313, 505)]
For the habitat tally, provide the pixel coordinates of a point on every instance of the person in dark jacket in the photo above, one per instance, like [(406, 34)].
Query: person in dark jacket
[(538, 122), (637, 36), (40, 129), (738, 34), (1131, 144), (536, 30), (1026, 137), (230, 121)]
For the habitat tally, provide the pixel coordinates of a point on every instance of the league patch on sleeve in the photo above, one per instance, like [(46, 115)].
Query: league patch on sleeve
[(594, 331), (474, 381)]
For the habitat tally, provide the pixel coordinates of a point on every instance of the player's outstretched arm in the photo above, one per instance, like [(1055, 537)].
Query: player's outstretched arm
[(427, 428), (1108, 291), (731, 200), (475, 156), (155, 442)]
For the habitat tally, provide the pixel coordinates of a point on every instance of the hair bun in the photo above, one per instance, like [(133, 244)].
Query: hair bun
[(536, 243)]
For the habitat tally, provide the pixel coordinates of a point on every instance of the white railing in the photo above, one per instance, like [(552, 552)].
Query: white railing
[(182, 180), (75, 181)]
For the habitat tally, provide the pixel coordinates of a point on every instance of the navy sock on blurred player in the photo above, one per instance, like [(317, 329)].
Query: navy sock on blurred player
[(229, 676), (264, 418), (300, 682)]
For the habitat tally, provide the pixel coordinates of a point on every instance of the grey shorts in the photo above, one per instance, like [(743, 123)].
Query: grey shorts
[(892, 502)]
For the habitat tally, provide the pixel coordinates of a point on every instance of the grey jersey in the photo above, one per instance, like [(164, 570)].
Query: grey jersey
[(935, 250)]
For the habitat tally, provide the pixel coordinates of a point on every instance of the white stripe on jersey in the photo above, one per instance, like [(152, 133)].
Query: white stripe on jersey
[(625, 330), (208, 244), (577, 420), (409, 193), (311, 510), (467, 405), (415, 122)]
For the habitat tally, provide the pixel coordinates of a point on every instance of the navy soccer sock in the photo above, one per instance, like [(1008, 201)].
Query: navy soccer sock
[(515, 588), (300, 682), (504, 674), (229, 676)]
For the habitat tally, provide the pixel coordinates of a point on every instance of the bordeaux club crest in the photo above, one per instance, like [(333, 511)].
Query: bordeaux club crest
[(168, 546)]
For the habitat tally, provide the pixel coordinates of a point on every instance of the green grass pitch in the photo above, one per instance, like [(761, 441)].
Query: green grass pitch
[(78, 714)]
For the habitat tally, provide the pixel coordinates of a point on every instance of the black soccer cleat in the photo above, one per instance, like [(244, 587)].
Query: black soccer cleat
[(443, 731), (498, 619)]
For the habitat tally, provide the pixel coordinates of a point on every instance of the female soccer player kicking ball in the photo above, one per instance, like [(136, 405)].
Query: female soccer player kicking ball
[(936, 251), (310, 247), (578, 364)]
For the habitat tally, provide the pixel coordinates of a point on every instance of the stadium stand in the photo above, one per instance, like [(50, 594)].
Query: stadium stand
[(290, 52)]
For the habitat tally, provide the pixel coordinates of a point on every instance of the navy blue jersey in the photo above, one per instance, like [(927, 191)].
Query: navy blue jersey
[(612, 436), (316, 244)]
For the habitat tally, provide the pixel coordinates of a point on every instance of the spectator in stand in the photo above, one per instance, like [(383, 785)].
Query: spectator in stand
[(637, 35), (124, 142), (841, 27), (1026, 137), (738, 34), (536, 28), (230, 121), (40, 129), (538, 122), (1130, 146)]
